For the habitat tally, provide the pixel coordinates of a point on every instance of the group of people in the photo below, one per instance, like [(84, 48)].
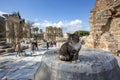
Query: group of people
[(19, 46), (34, 46), (51, 44)]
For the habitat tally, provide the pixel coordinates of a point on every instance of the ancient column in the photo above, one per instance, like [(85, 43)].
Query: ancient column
[(7, 31), (16, 32)]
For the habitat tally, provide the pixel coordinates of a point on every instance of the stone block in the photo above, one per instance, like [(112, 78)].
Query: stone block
[(2, 43), (93, 65), (1, 50), (4, 47), (10, 50)]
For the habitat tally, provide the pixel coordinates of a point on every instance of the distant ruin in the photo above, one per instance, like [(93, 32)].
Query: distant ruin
[(52, 33), (105, 26)]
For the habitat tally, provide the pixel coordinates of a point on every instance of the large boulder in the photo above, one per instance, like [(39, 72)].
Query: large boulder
[(93, 65)]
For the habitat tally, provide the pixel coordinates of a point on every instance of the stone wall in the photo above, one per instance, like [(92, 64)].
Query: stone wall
[(105, 25), (103, 4), (26, 30), (2, 27), (16, 28)]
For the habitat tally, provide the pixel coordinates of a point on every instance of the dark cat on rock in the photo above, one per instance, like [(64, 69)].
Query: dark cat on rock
[(69, 51)]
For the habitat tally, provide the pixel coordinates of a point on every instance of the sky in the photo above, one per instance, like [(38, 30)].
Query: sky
[(70, 15)]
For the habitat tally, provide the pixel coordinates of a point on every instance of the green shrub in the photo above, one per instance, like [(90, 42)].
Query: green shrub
[(81, 33)]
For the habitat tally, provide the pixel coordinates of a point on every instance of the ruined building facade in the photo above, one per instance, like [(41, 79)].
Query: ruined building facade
[(16, 28), (52, 33), (2, 27), (105, 25)]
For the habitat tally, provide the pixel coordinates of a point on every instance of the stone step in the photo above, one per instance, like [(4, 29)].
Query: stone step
[(2, 39), (10, 50), (24, 47), (1, 50), (4, 47), (3, 53), (2, 42)]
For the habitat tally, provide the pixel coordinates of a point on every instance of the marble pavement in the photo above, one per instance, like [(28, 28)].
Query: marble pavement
[(20, 68)]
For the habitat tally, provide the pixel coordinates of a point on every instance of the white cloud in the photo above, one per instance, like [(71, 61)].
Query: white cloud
[(1, 13), (67, 26), (75, 22)]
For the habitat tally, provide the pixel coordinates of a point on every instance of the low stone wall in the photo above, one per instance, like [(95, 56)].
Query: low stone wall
[(94, 65)]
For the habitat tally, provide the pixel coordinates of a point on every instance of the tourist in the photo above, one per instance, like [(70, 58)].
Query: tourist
[(18, 49), (36, 45), (47, 44), (54, 43), (21, 45), (51, 44), (32, 47)]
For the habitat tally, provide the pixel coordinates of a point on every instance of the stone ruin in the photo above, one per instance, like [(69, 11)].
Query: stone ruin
[(2, 28), (105, 26), (91, 64), (94, 65), (53, 32), (16, 28), (12, 29)]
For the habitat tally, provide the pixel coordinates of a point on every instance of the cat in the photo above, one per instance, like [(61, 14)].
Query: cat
[(69, 51)]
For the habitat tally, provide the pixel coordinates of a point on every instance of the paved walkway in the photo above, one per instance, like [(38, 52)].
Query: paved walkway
[(118, 59), (20, 68)]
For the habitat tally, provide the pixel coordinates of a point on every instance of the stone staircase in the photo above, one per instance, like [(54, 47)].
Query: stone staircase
[(5, 48)]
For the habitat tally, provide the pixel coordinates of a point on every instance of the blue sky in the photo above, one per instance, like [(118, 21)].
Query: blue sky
[(71, 15)]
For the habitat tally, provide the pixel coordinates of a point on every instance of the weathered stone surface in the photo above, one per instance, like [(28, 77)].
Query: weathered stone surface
[(2, 50), (23, 67), (10, 50), (2, 27), (19, 68), (105, 25), (4, 47), (93, 65), (2, 42)]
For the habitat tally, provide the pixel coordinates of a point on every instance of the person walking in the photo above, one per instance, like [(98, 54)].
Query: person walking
[(32, 47), (51, 43), (47, 44), (55, 43), (18, 49), (22, 45), (36, 45)]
